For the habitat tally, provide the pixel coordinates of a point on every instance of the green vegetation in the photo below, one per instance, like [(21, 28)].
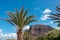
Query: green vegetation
[(52, 35), (26, 35), (19, 20), (40, 38)]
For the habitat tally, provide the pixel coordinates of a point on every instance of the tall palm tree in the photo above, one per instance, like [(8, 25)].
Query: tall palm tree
[(56, 16), (19, 20)]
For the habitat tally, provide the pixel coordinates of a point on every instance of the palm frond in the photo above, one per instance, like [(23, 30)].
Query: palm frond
[(9, 21), (17, 17), (57, 9), (28, 18), (30, 21), (17, 13), (56, 15), (26, 12), (21, 12), (58, 23), (54, 18), (11, 15)]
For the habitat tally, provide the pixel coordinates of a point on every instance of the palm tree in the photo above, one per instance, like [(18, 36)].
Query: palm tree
[(19, 20), (56, 16)]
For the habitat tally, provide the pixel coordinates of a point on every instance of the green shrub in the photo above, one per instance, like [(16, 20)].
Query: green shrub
[(51, 35), (40, 38), (26, 35)]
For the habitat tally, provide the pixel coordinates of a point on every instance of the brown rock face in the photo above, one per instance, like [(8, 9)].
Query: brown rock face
[(39, 30)]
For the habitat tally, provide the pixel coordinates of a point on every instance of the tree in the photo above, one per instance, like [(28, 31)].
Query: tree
[(19, 20), (40, 38), (52, 35), (56, 16)]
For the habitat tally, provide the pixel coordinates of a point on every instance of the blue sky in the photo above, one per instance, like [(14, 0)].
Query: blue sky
[(36, 7)]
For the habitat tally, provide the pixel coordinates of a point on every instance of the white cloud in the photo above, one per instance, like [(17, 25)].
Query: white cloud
[(10, 35), (26, 28), (52, 22), (5, 36), (44, 17), (1, 34), (0, 30), (45, 14), (57, 28), (47, 11)]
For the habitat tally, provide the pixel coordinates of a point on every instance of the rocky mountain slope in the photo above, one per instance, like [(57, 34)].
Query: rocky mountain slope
[(38, 30)]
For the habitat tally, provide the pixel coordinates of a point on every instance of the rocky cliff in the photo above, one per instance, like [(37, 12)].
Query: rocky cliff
[(39, 30)]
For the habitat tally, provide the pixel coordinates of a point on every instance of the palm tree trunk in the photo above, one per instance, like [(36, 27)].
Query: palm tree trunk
[(19, 35)]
